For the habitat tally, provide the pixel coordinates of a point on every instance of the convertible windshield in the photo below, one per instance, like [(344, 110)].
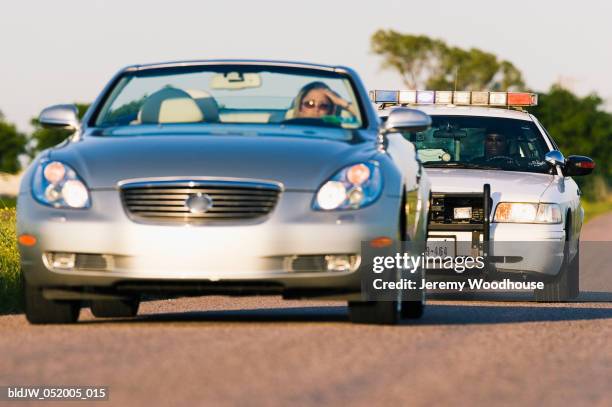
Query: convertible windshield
[(481, 143), (231, 94)]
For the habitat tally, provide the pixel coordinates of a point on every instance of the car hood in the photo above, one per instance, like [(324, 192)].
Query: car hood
[(298, 163), (505, 185)]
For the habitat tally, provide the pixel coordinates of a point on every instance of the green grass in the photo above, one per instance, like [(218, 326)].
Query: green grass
[(10, 285), (7, 202), (595, 208)]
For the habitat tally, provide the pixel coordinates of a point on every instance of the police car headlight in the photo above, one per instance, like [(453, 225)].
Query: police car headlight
[(56, 184), (518, 212), (353, 187)]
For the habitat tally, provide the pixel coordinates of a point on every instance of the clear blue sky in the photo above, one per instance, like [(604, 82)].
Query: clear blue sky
[(65, 50)]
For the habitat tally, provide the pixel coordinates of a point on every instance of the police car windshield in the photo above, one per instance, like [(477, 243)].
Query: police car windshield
[(475, 142)]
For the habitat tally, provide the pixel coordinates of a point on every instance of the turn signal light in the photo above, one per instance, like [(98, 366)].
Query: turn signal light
[(585, 164), (27, 240), (382, 241)]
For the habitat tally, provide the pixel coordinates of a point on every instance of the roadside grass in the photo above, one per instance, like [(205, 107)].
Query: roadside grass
[(595, 208), (7, 202), (10, 284)]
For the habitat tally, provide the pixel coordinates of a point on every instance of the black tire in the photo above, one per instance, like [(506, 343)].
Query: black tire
[(413, 309), (566, 286), (413, 303), (574, 275), (374, 312), (39, 310), (115, 308)]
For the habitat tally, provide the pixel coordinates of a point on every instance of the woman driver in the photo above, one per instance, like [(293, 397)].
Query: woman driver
[(316, 100)]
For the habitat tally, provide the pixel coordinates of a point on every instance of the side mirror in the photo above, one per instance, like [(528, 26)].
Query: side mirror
[(555, 158), (577, 165), (405, 119), (60, 116)]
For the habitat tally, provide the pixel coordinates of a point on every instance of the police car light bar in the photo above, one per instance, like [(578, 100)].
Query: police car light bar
[(461, 98)]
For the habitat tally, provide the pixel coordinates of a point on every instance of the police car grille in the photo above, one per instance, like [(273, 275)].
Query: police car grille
[(166, 202)]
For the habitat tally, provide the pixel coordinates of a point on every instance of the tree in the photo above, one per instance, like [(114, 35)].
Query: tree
[(12, 145), (44, 138), (416, 58), (580, 126), (424, 62)]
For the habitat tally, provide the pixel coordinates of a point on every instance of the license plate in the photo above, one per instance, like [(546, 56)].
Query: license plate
[(442, 246)]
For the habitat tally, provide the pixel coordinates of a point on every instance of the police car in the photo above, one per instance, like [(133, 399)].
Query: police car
[(500, 186)]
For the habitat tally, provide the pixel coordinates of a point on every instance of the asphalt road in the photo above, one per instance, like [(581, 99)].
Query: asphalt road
[(252, 351)]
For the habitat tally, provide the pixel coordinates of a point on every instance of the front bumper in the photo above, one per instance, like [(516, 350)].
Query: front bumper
[(531, 249), (235, 253)]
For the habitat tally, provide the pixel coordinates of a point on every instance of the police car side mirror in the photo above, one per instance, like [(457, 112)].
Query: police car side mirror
[(577, 165), (555, 158), (405, 119)]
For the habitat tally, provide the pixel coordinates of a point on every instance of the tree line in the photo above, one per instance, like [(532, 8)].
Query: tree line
[(15, 144), (579, 125)]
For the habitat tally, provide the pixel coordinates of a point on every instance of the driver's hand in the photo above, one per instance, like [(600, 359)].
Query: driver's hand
[(336, 99)]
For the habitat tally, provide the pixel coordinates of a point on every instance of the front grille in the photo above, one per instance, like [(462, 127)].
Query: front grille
[(306, 263), (86, 261), (172, 201)]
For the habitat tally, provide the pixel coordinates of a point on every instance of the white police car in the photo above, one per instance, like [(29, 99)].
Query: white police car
[(497, 176)]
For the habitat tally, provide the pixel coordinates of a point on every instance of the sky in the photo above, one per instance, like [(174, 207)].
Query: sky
[(64, 51)]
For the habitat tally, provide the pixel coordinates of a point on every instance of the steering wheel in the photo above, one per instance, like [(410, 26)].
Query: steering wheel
[(325, 121), (505, 158)]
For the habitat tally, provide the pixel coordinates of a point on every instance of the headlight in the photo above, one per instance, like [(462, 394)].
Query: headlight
[(352, 187), (515, 212), (56, 184)]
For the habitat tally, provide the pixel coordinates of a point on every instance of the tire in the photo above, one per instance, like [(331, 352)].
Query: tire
[(413, 304), (374, 312), (115, 308), (412, 309), (39, 310), (574, 275), (566, 286)]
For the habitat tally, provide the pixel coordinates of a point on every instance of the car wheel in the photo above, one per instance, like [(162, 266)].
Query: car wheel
[(374, 312), (566, 286), (115, 308), (413, 309), (39, 310), (413, 304), (574, 275)]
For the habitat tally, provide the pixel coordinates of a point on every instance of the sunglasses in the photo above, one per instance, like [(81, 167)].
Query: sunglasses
[(311, 104)]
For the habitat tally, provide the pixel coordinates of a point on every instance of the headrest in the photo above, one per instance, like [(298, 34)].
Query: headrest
[(170, 105), (207, 104), (290, 114)]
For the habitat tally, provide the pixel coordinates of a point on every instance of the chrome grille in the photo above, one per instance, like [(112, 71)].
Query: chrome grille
[(167, 201)]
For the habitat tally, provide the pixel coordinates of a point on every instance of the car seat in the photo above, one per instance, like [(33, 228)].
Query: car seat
[(207, 104), (170, 105)]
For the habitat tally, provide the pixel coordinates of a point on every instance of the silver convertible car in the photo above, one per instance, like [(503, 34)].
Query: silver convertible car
[(219, 177)]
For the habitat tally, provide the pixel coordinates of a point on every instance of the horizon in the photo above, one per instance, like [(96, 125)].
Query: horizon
[(81, 54)]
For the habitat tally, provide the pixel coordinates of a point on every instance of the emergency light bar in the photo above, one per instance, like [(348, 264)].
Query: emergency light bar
[(460, 98)]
